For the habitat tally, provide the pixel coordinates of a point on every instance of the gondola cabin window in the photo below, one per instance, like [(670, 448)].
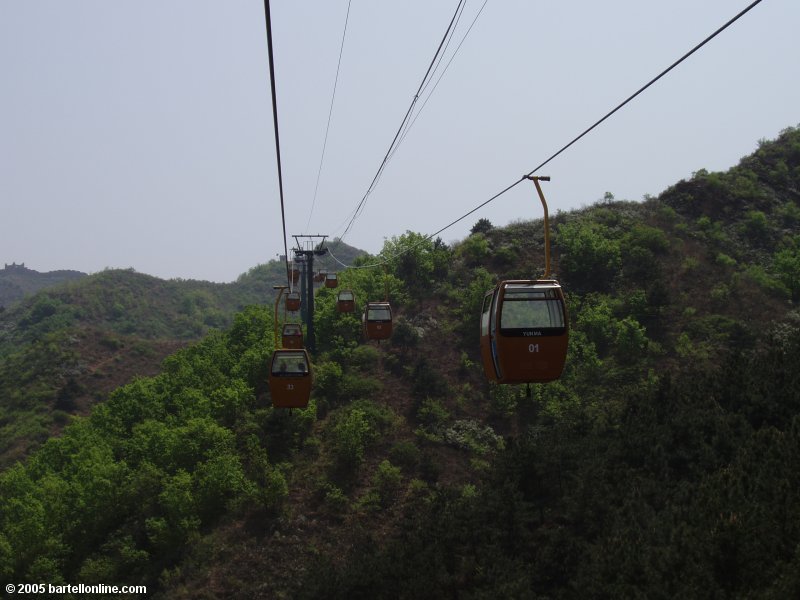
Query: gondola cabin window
[(379, 313), (292, 329), (290, 364), (531, 308), (486, 314), (378, 321), (292, 336)]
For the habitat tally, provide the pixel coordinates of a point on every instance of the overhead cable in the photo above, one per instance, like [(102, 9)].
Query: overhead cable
[(386, 157), (441, 75), (277, 137), (330, 113), (409, 122), (581, 135)]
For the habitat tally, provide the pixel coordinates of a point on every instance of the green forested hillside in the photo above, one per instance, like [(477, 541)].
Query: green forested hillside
[(66, 347), (18, 281), (664, 463)]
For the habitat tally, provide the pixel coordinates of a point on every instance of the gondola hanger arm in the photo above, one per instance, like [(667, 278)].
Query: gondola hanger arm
[(281, 289), (536, 179)]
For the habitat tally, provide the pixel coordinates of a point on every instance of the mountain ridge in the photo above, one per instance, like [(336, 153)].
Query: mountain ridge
[(67, 345), (18, 281)]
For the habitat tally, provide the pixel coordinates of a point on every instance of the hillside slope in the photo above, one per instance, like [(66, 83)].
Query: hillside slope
[(18, 281), (664, 462), (65, 348)]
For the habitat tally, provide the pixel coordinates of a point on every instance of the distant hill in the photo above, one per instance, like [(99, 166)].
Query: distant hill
[(340, 255), (18, 281), (65, 347)]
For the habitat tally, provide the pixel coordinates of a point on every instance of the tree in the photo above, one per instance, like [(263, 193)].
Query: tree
[(474, 249), (350, 437), (787, 264), (417, 261), (482, 226), (591, 257)]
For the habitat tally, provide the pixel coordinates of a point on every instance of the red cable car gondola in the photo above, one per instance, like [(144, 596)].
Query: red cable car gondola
[(524, 331), (293, 301), (346, 302), (331, 280), (290, 379), (377, 320), (292, 336), (524, 323)]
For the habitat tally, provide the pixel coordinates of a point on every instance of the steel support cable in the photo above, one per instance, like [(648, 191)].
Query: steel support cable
[(428, 97), (435, 233), (449, 38), (360, 205), (330, 113), (651, 82), (421, 91), (338, 261), (277, 137), (403, 130), (609, 114), (447, 66), (425, 81)]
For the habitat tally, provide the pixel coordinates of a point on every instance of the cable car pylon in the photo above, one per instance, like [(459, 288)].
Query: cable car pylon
[(306, 257)]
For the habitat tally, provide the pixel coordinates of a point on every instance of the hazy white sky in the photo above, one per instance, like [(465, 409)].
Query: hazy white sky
[(139, 133)]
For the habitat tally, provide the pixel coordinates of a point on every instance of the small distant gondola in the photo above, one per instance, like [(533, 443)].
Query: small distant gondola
[(377, 321), (292, 336), (331, 280), (346, 302), (524, 331), (293, 301), (290, 379)]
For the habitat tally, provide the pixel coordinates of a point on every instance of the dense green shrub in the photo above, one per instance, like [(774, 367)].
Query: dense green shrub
[(387, 481), (406, 454), (349, 438), (151, 466), (474, 249), (591, 257), (481, 226)]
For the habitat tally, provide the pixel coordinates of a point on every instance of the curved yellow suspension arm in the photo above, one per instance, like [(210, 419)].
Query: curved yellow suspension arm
[(281, 289), (536, 180)]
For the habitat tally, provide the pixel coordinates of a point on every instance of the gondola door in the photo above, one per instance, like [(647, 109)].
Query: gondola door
[(486, 342)]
